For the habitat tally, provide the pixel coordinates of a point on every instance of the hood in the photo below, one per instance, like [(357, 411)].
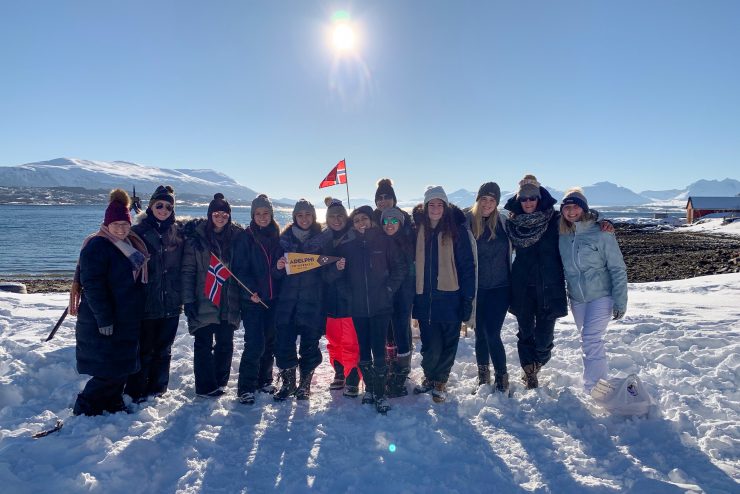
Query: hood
[(546, 202)]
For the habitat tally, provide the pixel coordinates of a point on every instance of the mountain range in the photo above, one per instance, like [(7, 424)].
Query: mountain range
[(71, 177)]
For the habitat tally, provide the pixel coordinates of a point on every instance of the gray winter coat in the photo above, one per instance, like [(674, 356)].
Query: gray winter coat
[(593, 264)]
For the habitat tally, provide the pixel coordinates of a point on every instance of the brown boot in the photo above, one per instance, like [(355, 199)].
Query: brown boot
[(484, 375), (439, 393), (501, 382), (530, 375)]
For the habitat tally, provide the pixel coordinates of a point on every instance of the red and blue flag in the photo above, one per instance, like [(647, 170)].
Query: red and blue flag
[(217, 275), (338, 175)]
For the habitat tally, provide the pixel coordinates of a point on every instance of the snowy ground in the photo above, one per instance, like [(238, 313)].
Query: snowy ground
[(713, 225), (681, 337)]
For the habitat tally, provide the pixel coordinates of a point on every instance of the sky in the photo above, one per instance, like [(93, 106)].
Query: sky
[(639, 93)]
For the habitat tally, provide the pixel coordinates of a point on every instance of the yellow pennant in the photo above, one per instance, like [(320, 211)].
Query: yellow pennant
[(298, 263)]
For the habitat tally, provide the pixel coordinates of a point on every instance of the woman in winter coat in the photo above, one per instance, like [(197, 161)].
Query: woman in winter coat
[(256, 251), (113, 267), (494, 279), (163, 300), (299, 307), (393, 221), (596, 278), (212, 317), (445, 287), (374, 269), (341, 337)]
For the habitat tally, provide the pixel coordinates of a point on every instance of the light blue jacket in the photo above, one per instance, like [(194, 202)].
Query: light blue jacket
[(593, 264)]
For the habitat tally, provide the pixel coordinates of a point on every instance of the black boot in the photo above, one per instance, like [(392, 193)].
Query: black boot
[(288, 387), (338, 382), (501, 382), (397, 380), (381, 402), (368, 375), (304, 388), (484, 374)]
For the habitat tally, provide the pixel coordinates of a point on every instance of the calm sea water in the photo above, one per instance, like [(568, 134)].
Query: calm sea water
[(46, 240)]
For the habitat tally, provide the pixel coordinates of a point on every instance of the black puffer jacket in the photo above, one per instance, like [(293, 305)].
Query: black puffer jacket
[(441, 306), (337, 295), (164, 289), (110, 296), (374, 270), (301, 295), (539, 267), (195, 263), (256, 251)]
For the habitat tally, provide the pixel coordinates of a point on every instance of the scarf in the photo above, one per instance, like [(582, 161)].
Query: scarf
[(300, 234), (527, 229), (133, 248), (446, 270)]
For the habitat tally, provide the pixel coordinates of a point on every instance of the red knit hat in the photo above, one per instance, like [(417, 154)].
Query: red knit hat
[(118, 208)]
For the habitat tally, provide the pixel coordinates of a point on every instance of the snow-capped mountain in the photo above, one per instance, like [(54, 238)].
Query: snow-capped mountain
[(72, 172)]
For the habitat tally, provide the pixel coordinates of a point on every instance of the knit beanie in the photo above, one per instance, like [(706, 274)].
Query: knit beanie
[(219, 204), (336, 207), (529, 187), (393, 212), (489, 189), (575, 196), (261, 201), (118, 207), (367, 210), (163, 193), (385, 187), (435, 192), (304, 205)]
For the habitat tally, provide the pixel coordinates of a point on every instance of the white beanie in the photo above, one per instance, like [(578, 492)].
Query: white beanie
[(435, 192)]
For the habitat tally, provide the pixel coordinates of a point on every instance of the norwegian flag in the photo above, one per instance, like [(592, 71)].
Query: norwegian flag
[(217, 275), (338, 175)]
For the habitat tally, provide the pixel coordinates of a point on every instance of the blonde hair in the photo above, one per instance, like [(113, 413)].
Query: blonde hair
[(565, 227), (477, 225)]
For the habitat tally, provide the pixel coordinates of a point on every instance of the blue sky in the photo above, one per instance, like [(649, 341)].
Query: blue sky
[(640, 93)]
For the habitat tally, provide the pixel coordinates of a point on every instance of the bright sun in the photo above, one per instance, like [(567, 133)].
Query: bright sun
[(343, 38)]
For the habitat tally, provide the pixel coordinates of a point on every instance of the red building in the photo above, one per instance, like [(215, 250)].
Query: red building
[(697, 207)]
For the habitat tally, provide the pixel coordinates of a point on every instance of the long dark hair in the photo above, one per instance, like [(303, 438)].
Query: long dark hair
[(446, 225)]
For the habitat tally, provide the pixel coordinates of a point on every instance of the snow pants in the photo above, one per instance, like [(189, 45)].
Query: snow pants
[(536, 333), (101, 394), (213, 349), (592, 318), (491, 307), (401, 319), (438, 348), (286, 355), (155, 354), (343, 347), (258, 357), (371, 333)]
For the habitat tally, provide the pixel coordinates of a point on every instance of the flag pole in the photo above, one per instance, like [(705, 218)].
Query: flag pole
[(346, 182), (237, 279)]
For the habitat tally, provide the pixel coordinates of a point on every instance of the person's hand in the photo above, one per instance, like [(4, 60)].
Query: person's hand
[(606, 226), (75, 293), (255, 298), (281, 263), (341, 264), (191, 310), (619, 313), (106, 330), (466, 309)]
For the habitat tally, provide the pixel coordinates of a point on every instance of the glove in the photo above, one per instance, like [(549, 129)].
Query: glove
[(191, 310), (466, 309), (106, 330), (619, 313)]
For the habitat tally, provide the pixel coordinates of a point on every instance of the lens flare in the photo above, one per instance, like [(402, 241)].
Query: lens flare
[(392, 448)]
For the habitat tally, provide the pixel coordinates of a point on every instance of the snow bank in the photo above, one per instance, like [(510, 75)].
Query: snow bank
[(681, 337), (713, 225)]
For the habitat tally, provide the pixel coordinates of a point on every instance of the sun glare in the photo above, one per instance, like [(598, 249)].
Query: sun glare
[(343, 38)]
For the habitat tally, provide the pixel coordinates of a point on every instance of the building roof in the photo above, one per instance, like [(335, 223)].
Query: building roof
[(724, 203)]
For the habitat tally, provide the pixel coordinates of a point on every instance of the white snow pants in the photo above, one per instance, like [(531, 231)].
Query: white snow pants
[(592, 319)]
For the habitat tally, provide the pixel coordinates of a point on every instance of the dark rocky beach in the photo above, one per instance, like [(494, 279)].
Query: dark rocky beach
[(651, 254)]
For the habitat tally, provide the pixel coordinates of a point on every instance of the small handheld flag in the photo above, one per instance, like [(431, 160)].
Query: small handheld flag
[(215, 278), (298, 263), (338, 175)]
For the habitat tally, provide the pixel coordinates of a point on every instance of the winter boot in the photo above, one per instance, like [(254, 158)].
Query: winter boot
[(288, 386), (501, 382), (530, 375), (425, 386), (484, 374), (439, 393), (368, 375), (246, 398), (338, 382), (351, 391), (304, 388), (352, 384), (381, 402), (399, 373), (268, 388)]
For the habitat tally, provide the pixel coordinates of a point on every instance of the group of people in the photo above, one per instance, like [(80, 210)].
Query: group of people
[(440, 265)]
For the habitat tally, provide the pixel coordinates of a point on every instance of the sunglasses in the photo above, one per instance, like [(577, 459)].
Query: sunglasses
[(383, 197), (528, 199), (163, 205), (220, 214), (391, 221)]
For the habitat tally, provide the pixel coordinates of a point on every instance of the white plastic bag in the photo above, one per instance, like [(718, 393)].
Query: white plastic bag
[(626, 396)]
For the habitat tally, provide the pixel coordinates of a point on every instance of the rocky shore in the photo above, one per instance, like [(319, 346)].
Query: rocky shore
[(651, 254)]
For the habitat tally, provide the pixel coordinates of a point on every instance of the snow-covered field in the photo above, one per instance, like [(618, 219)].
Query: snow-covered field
[(682, 338), (713, 225)]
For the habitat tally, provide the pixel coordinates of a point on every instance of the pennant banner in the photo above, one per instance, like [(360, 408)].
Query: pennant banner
[(298, 263), (215, 278), (338, 175)]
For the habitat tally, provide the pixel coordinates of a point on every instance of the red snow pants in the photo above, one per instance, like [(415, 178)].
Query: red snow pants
[(342, 343)]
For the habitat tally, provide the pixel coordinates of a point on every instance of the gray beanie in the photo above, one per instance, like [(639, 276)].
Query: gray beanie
[(393, 212), (575, 196), (529, 187), (304, 205), (261, 201), (336, 206), (435, 192)]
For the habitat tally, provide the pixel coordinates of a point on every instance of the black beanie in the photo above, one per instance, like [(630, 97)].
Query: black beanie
[(489, 189), (218, 204), (366, 210), (163, 193), (385, 187)]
